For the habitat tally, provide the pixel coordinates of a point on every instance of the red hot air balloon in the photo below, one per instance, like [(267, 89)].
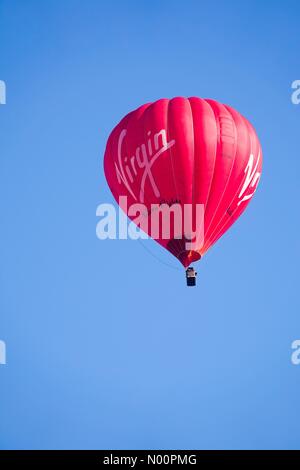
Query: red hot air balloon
[(186, 151)]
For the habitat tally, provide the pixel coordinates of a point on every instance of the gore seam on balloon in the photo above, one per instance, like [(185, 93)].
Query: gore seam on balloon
[(215, 163), (172, 163), (229, 176)]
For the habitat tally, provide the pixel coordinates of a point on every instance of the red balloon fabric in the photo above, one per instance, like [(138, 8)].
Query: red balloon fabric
[(186, 151)]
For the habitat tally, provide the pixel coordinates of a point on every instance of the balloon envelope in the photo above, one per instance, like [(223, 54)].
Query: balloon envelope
[(189, 152)]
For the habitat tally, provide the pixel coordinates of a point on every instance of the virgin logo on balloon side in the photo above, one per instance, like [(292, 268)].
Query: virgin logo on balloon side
[(144, 157), (252, 179)]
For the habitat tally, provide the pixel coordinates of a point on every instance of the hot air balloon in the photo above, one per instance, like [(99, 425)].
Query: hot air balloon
[(188, 152)]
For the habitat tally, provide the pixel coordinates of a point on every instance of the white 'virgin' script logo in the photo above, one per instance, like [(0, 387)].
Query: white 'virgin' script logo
[(252, 178), (144, 157)]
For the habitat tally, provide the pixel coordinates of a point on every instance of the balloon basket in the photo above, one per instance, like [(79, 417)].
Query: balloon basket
[(190, 274)]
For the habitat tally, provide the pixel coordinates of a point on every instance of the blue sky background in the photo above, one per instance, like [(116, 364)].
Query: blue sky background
[(98, 356)]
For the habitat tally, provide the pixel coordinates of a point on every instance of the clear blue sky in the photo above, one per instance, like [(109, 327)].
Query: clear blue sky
[(98, 356)]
